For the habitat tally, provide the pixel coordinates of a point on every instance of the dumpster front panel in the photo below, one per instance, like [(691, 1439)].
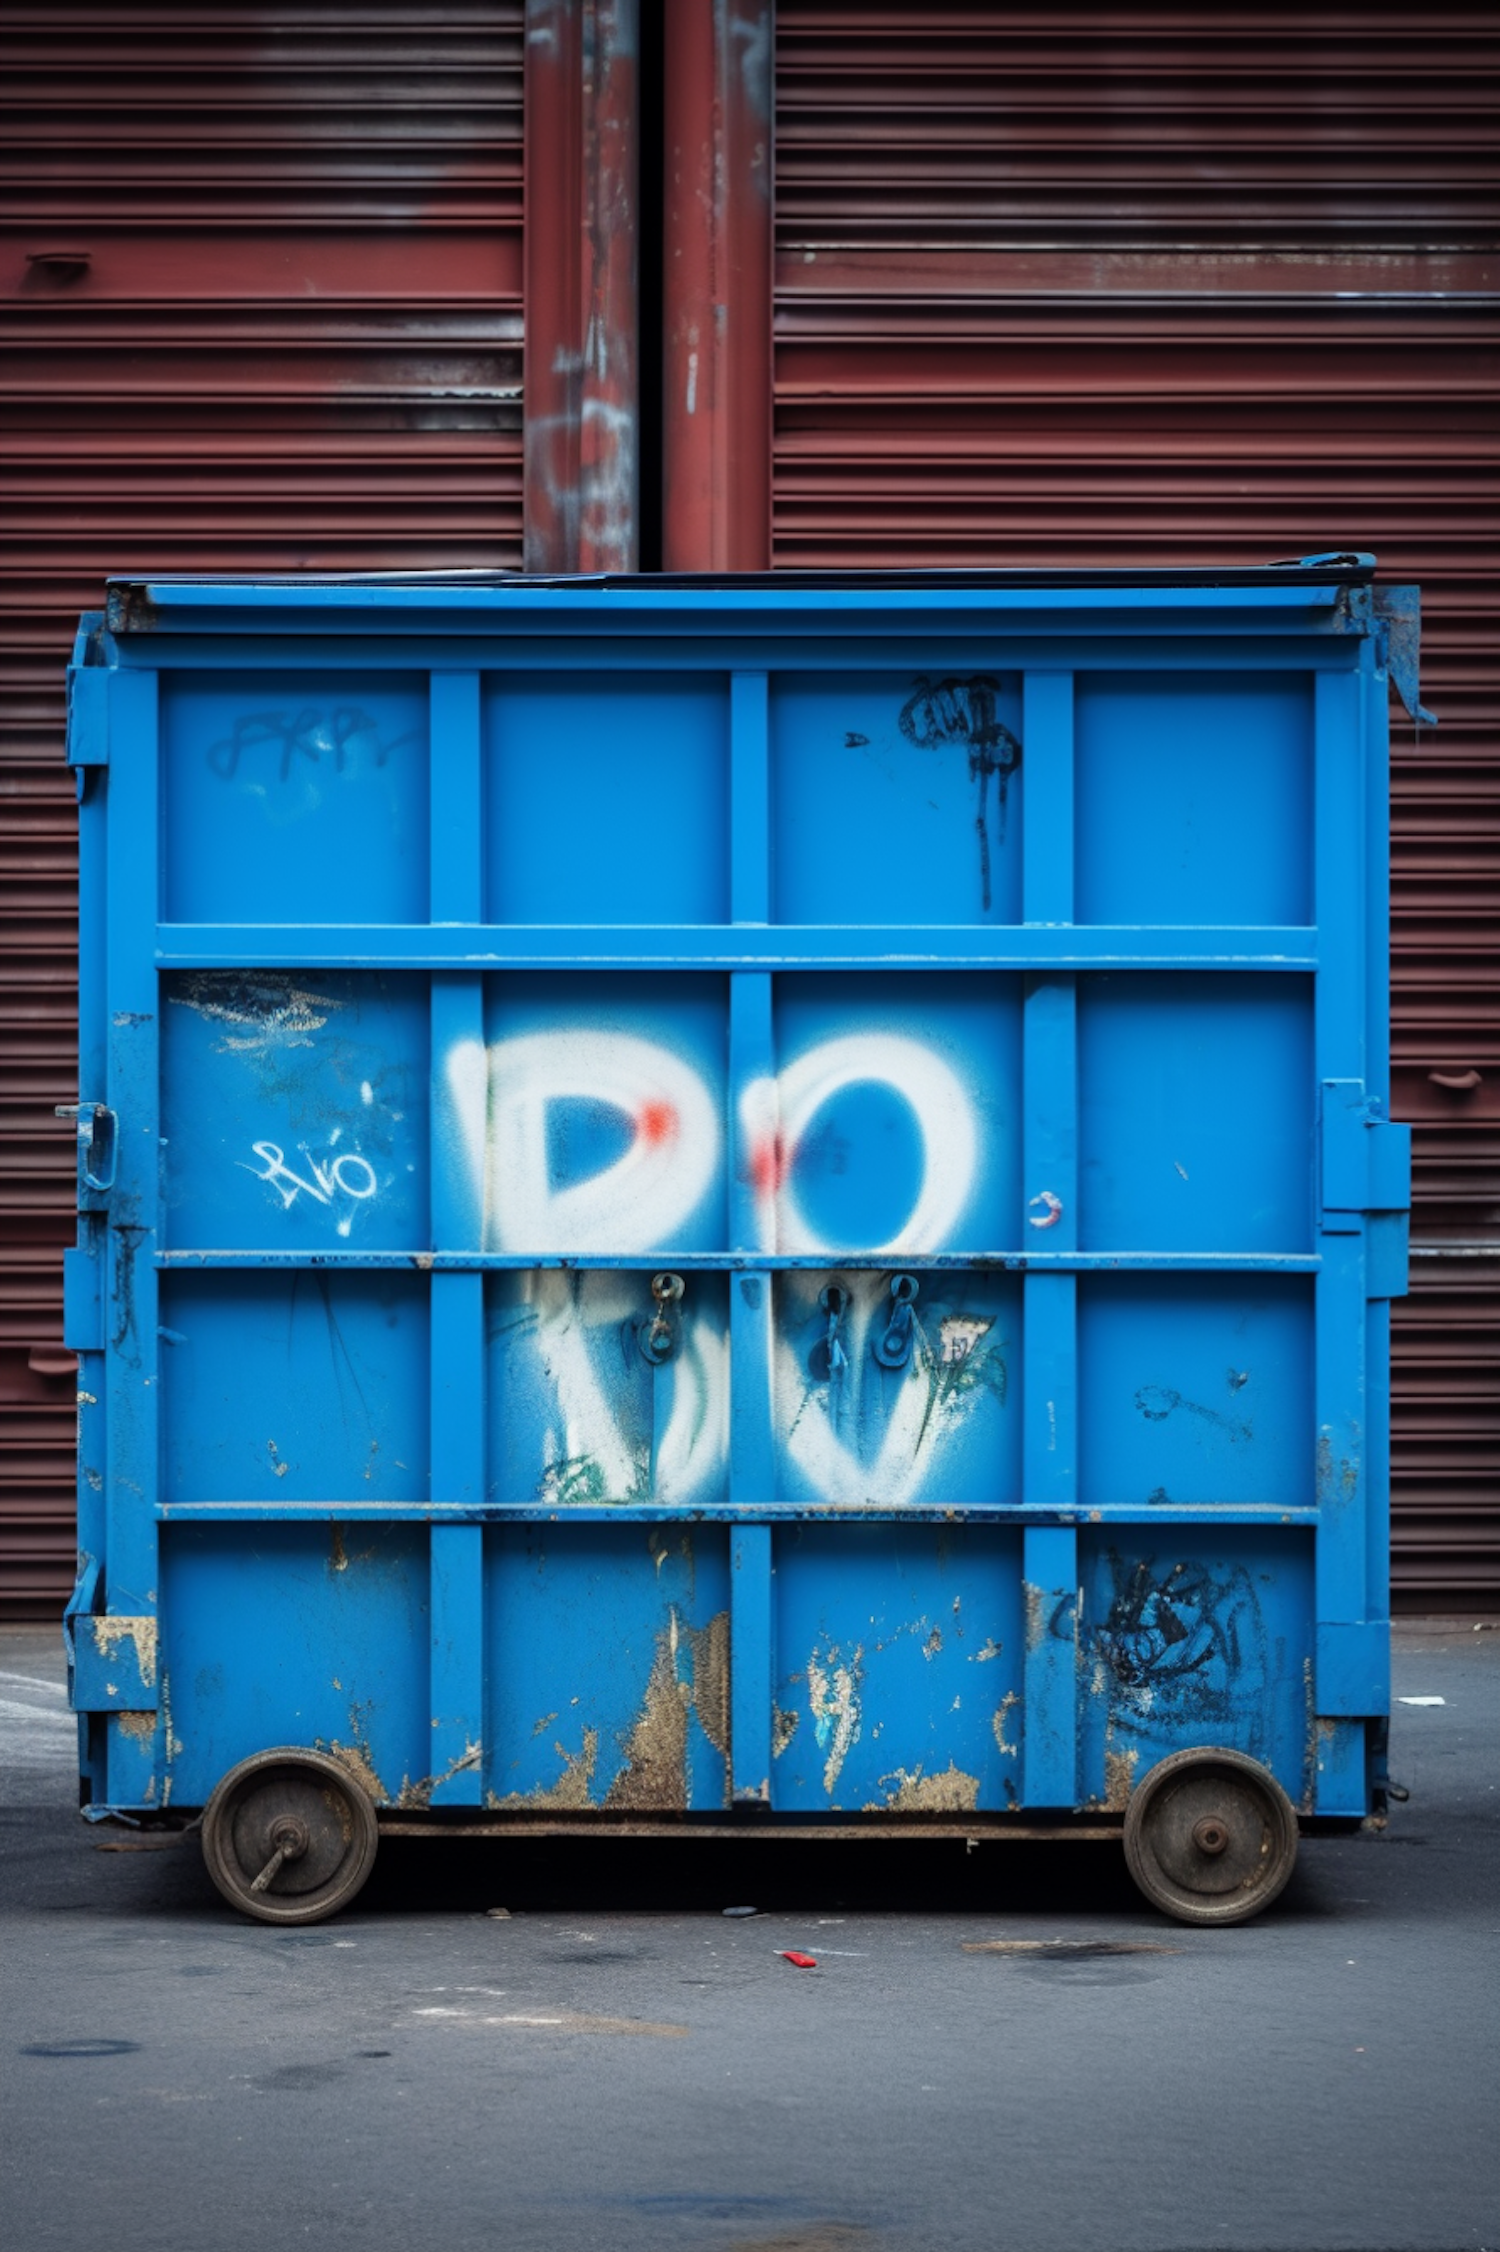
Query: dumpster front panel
[(714, 1198)]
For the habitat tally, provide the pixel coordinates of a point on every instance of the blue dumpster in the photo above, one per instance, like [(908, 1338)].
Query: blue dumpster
[(747, 1205)]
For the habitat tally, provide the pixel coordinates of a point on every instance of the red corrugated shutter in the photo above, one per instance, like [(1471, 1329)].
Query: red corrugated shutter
[(1175, 285), (294, 341)]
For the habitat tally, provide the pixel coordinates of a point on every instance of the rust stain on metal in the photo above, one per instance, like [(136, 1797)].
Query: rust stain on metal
[(338, 1560), (783, 1729), (1036, 1614), (581, 415), (716, 378), (110, 1632), (141, 1726), (950, 1792)]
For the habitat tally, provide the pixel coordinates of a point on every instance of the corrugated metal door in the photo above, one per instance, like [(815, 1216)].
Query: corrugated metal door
[(263, 293), (1104, 287)]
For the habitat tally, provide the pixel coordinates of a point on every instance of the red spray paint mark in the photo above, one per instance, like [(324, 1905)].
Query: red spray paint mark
[(656, 1122), (769, 1165)]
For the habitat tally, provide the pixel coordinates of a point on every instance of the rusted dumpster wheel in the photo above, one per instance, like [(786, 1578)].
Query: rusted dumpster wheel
[(1210, 1836), (289, 1837)]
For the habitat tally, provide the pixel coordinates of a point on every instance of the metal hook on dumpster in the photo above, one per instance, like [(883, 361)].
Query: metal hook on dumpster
[(659, 1337), (893, 1347), (828, 1357), (98, 1141)]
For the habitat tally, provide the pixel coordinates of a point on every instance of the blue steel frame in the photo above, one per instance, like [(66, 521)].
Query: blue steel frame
[(1286, 621)]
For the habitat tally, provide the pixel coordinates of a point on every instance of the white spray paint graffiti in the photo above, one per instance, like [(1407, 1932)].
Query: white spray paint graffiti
[(566, 1347), (347, 1174), (947, 1381), (944, 1114), (635, 1203), (500, 1102)]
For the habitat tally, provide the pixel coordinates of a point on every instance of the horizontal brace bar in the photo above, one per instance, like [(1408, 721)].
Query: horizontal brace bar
[(990, 1828), (789, 1513), (762, 1262), (731, 946), (1212, 647)]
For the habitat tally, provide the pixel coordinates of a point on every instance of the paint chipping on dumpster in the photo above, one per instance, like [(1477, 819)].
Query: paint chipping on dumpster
[(833, 1686), (110, 1634), (260, 1014), (571, 1792), (948, 1792), (654, 1777), (1007, 1748), (1119, 1777)]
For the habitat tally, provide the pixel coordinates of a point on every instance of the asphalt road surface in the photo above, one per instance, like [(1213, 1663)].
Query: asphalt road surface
[(616, 2064)]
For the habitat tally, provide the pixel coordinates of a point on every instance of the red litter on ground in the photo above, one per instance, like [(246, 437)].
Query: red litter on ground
[(803, 1962)]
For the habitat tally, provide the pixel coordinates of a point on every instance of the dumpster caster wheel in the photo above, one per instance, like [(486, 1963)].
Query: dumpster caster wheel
[(289, 1837), (1210, 1837)]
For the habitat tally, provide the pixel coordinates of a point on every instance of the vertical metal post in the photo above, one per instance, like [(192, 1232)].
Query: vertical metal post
[(133, 1078), (716, 360), (582, 407), (457, 1420), (752, 1459), (1050, 1322), (1340, 1471)]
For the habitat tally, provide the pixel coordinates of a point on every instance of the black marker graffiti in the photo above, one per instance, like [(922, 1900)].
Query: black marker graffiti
[(964, 711), (341, 737), (1157, 1401), (1183, 1638)]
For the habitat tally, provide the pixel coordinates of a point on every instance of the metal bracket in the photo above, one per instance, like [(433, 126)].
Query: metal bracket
[(1399, 609), (1365, 1169), (88, 715), (83, 1302), (1366, 1157)]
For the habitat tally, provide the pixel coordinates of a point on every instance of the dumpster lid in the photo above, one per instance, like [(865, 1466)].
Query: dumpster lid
[(1318, 587), (1348, 568)]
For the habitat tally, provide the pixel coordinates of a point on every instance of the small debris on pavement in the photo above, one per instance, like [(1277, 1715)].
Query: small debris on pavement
[(498, 1915), (740, 1911), (802, 1962)]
